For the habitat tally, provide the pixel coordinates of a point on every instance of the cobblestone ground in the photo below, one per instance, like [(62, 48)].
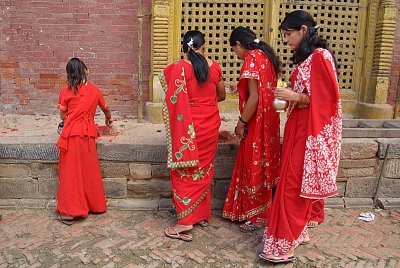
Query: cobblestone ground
[(32, 238)]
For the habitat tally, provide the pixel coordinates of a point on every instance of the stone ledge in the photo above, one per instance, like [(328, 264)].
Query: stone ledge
[(390, 202), (166, 204)]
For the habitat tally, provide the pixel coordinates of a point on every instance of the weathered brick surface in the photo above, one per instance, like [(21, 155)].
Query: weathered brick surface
[(30, 238), (38, 39)]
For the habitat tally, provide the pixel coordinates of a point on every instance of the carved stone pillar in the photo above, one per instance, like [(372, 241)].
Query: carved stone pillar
[(165, 49), (378, 61)]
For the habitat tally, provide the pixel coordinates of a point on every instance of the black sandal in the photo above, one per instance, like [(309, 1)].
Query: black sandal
[(64, 221)]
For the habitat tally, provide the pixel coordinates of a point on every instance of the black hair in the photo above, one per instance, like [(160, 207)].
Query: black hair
[(311, 40), (76, 73), (247, 38), (199, 62)]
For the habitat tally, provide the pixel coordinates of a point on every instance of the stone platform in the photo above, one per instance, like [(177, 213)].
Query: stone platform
[(134, 173)]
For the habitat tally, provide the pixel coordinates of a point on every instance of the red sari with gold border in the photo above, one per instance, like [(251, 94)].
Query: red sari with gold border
[(80, 186), (256, 169), (192, 120), (310, 153)]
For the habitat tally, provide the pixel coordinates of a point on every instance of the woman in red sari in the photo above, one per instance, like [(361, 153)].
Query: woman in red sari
[(256, 169), (80, 186), (312, 138), (193, 86)]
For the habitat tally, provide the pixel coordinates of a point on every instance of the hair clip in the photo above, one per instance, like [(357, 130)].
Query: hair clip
[(316, 26), (257, 40), (190, 43)]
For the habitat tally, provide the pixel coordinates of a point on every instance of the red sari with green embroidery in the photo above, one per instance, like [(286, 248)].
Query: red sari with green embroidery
[(256, 169), (192, 120), (310, 153)]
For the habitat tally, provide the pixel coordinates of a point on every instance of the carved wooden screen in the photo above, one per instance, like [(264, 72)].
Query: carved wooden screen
[(338, 20), (216, 19)]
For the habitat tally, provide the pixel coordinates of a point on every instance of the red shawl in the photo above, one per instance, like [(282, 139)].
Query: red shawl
[(317, 77), (181, 137), (79, 112)]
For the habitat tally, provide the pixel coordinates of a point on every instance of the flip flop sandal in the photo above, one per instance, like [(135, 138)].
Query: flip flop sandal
[(203, 223), (282, 259), (248, 227), (180, 236), (64, 221), (313, 225)]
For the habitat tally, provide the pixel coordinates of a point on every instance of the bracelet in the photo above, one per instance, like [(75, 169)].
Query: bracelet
[(241, 120)]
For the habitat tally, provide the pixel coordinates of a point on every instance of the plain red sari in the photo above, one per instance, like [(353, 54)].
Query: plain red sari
[(192, 120), (256, 169), (80, 186), (310, 153)]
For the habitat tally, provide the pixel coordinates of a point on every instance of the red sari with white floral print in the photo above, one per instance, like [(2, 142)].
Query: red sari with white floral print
[(310, 153), (192, 120), (256, 169)]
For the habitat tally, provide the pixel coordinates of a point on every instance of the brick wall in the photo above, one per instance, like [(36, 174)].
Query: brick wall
[(39, 37), (395, 71)]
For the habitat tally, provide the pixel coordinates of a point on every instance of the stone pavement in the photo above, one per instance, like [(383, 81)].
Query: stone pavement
[(33, 238)]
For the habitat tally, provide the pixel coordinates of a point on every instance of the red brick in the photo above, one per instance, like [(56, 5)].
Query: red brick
[(44, 35)]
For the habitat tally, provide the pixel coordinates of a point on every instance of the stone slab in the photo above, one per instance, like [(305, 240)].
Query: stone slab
[(18, 188), (159, 171), (389, 188), (31, 151), (392, 169), (41, 170), (356, 172), (114, 169), (138, 204), (220, 189), (361, 187), (131, 152), (358, 163), (390, 202), (115, 187), (224, 167), (47, 187), (139, 171), (15, 171), (394, 151), (334, 202), (358, 202), (153, 188), (358, 148)]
